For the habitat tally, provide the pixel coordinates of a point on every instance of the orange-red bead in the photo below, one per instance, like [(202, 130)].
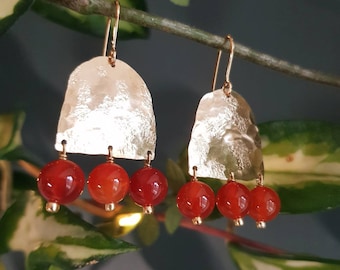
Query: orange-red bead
[(148, 187), (196, 200), (264, 204), (61, 181), (232, 200), (108, 183)]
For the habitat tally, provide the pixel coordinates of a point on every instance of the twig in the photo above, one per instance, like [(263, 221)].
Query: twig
[(186, 223), (107, 8), (5, 184)]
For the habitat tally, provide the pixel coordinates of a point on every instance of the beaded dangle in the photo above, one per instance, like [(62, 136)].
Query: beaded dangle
[(108, 183), (60, 181), (264, 205), (148, 186), (232, 200), (196, 200)]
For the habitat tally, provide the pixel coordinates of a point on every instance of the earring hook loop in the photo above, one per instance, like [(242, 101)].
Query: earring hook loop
[(227, 86), (113, 52)]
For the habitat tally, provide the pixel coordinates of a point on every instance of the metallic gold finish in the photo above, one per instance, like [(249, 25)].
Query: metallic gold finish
[(261, 225), (148, 210), (52, 207), (109, 207), (107, 106), (225, 139), (227, 86), (238, 222), (197, 221)]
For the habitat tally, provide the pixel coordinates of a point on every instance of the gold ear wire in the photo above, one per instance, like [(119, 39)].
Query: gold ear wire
[(113, 53), (227, 86)]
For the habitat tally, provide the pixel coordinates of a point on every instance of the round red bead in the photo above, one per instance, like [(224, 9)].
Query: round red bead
[(232, 200), (264, 204), (61, 181), (108, 183), (148, 187), (196, 199)]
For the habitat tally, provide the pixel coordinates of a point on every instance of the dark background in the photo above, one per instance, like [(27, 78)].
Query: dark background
[(37, 56)]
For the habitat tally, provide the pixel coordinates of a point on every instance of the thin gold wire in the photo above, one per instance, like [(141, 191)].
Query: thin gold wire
[(147, 162), (113, 52), (194, 177), (107, 34), (260, 180), (227, 86), (62, 154), (110, 157)]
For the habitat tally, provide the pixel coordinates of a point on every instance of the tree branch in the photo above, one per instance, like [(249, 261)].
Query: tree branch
[(107, 8)]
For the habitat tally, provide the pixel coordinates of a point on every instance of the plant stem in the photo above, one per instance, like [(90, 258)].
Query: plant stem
[(231, 237), (145, 19)]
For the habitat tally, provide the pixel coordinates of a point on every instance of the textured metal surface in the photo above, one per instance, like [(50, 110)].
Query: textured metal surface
[(105, 106), (225, 138)]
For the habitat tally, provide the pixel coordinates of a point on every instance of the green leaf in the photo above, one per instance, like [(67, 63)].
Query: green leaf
[(62, 239), (172, 217), (91, 24), (247, 259), (148, 230), (10, 11), (175, 175), (302, 163), (10, 132), (10, 138), (183, 3)]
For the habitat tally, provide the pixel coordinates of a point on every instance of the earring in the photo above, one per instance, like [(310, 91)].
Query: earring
[(108, 183), (148, 186), (106, 104), (232, 200), (60, 181), (264, 205), (224, 144), (195, 200)]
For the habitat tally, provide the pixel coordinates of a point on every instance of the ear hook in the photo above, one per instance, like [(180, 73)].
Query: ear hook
[(227, 86), (113, 53), (107, 33)]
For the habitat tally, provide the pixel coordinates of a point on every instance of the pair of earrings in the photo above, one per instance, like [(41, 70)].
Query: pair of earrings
[(106, 104), (225, 139)]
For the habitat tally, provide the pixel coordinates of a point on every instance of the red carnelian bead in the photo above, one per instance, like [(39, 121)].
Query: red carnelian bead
[(148, 187), (196, 200), (264, 205), (232, 200), (60, 182), (108, 184)]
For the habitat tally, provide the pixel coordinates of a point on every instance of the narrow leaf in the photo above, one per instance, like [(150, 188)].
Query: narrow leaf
[(175, 176), (10, 132), (172, 217), (91, 24), (10, 11), (62, 239), (148, 230), (183, 3), (247, 259)]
